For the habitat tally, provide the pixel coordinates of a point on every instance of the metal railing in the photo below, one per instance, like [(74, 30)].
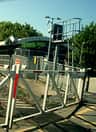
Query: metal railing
[(60, 88), (4, 59)]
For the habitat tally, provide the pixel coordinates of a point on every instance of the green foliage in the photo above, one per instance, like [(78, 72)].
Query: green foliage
[(33, 45), (17, 30), (85, 47)]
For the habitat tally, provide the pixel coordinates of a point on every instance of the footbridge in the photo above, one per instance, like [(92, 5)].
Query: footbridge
[(27, 39)]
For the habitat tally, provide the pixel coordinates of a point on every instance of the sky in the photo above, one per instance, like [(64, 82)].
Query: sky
[(33, 12)]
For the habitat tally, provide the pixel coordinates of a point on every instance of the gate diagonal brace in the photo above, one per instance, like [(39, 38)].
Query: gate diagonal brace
[(56, 88), (32, 94), (15, 74)]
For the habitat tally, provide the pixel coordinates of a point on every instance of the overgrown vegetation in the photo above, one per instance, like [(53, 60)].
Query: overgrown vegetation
[(17, 30), (84, 47)]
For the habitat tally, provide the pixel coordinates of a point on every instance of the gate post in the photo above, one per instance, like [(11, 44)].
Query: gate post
[(66, 89), (16, 79), (80, 85), (9, 98)]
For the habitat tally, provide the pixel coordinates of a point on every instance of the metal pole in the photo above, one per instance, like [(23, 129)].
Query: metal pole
[(57, 90), (66, 90), (54, 62), (37, 68), (72, 47), (14, 93), (81, 54), (27, 116), (68, 53), (9, 99), (46, 92), (49, 47), (55, 58), (50, 39), (72, 57), (32, 95), (4, 80), (80, 85), (79, 24)]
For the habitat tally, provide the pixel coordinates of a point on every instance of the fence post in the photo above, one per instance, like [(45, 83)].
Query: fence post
[(46, 92), (16, 79), (66, 89), (9, 99), (80, 85)]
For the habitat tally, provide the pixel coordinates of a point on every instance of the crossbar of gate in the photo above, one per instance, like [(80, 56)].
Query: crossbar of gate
[(49, 76), (17, 73)]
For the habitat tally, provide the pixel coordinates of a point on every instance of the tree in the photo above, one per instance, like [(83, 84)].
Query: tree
[(17, 30), (85, 47)]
